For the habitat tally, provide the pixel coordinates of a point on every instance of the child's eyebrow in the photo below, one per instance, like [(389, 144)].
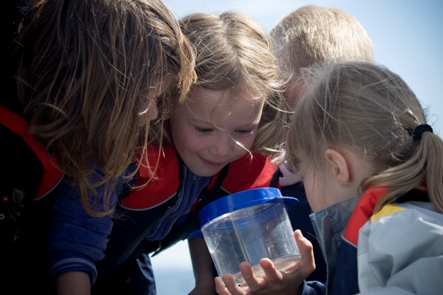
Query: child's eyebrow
[(249, 125), (201, 121)]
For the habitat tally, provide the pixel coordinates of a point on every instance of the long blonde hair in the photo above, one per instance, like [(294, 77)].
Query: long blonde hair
[(85, 71), (373, 111), (234, 51)]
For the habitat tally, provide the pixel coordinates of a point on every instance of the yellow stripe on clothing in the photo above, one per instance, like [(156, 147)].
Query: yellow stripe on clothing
[(387, 210)]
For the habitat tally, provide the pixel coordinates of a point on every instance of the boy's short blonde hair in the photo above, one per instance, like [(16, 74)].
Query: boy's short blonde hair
[(313, 34)]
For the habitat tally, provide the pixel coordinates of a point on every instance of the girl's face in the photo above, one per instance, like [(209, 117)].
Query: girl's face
[(337, 180), (316, 190), (214, 128)]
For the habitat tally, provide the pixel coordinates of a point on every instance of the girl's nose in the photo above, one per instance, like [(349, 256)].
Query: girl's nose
[(148, 114), (222, 146), (152, 112)]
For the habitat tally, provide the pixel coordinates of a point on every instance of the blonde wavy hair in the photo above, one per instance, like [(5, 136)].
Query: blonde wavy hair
[(371, 110), (85, 72), (234, 51)]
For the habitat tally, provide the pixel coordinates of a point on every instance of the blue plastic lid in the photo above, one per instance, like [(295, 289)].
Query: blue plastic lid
[(242, 200)]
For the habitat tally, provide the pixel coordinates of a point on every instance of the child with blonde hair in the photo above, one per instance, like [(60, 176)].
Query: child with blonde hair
[(373, 173), (304, 37), (88, 77), (216, 142), (313, 34)]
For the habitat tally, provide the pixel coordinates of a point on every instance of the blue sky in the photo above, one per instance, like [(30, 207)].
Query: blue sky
[(407, 37)]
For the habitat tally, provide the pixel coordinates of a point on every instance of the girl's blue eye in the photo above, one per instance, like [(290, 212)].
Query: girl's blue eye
[(244, 131), (203, 130)]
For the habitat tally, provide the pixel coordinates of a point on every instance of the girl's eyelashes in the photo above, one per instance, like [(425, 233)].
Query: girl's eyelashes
[(244, 131), (208, 130), (203, 129)]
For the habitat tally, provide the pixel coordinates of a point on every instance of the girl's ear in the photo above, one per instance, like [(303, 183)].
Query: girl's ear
[(339, 166)]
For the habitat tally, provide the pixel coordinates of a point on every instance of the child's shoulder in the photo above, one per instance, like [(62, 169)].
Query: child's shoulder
[(401, 240)]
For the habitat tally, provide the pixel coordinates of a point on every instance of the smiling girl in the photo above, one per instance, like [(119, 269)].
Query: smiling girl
[(217, 142)]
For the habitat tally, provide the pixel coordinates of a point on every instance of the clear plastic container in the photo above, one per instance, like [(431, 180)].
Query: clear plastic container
[(255, 225)]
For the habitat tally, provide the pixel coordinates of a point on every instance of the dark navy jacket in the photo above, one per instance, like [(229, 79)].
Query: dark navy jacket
[(27, 180), (125, 257)]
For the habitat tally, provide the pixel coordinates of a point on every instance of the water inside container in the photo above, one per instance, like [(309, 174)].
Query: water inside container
[(281, 263), (251, 234)]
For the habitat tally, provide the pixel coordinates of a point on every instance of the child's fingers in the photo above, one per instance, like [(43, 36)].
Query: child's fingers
[(272, 274), (248, 275), (307, 261), (226, 285), (220, 287)]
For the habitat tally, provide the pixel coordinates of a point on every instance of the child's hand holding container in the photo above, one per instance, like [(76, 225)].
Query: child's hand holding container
[(248, 226)]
